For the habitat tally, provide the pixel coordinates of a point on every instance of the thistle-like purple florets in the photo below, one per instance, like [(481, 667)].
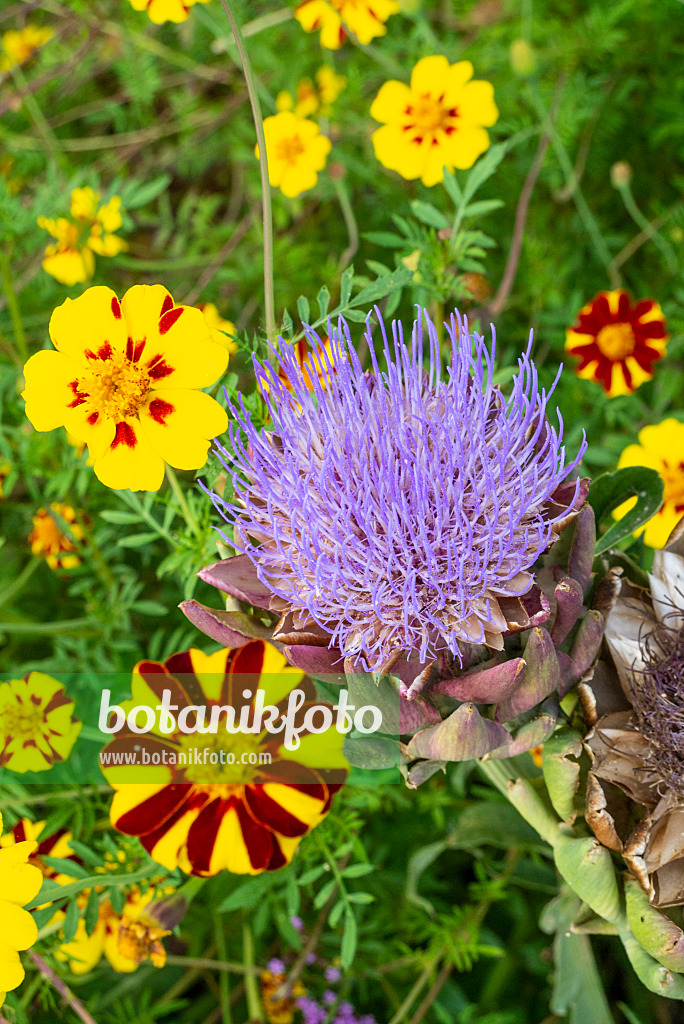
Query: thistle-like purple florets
[(398, 511)]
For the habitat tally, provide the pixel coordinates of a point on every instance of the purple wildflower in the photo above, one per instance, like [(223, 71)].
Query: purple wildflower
[(276, 966), (312, 1012), (329, 997), (297, 923), (332, 974), (398, 512)]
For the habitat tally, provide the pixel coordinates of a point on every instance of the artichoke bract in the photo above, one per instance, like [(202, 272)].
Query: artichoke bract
[(402, 524), (634, 706)]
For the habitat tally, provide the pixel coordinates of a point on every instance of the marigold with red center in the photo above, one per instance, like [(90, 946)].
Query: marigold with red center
[(617, 342), (438, 121), (296, 152), (364, 19), (37, 725), (660, 447), (126, 380), (242, 817), (160, 11), (47, 538)]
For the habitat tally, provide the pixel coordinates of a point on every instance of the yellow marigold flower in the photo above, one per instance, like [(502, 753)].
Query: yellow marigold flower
[(160, 11), (279, 1010), (47, 539), (312, 364), (660, 447), (90, 230), (310, 100), (37, 724), (437, 121), (126, 380), (222, 331), (617, 341), (364, 19), (19, 45), (296, 151), (20, 882), (125, 939)]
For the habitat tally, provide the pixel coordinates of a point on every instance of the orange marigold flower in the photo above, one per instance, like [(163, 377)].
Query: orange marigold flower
[(160, 11), (70, 259), (660, 447), (37, 724), (222, 331), (617, 342), (238, 813), (438, 121), (364, 19), (296, 151), (279, 1010), (19, 45), (48, 538), (126, 379)]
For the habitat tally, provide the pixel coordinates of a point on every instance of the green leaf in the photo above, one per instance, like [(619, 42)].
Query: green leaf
[(324, 894), (429, 214), (349, 940), (452, 186), (310, 876), (610, 490), (358, 870), (577, 986), (303, 309), (71, 921), (482, 207), (346, 285), (336, 913), (146, 192), (86, 854), (120, 518), (323, 300), (361, 898), (149, 608), (66, 867), (356, 315), (92, 912), (50, 891), (137, 540), (386, 239), (483, 170)]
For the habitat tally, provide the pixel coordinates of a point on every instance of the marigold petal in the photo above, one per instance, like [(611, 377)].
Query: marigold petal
[(130, 461), (160, 11), (90, 427), (457, 76), (85, 324), (19, 880), (180, 425), (11, 971), (390, 104), (69, 266), (84, 952), (18, 926), (466, 145), (394, 152), (430, 74), (476, 104), (48, 393)]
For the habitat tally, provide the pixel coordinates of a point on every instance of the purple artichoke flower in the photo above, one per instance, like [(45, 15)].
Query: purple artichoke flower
[(393, 513)]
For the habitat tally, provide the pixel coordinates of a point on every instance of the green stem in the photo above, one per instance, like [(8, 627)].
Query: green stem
[(269, 296), (13, 306), (206, 964), (224, 983), (134, 502), (64, 794), (65, 626), (645, 225), (349, 222), (44, 130), (588, 219), (523, 797), (254, 1008), (21, 579), (188, 514)]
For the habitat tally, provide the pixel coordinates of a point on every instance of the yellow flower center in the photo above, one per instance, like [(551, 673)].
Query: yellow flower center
[(22, 721), (116, 387), (428, 114), (215, 768), (290, 150), (616, 341), (139, 940)]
